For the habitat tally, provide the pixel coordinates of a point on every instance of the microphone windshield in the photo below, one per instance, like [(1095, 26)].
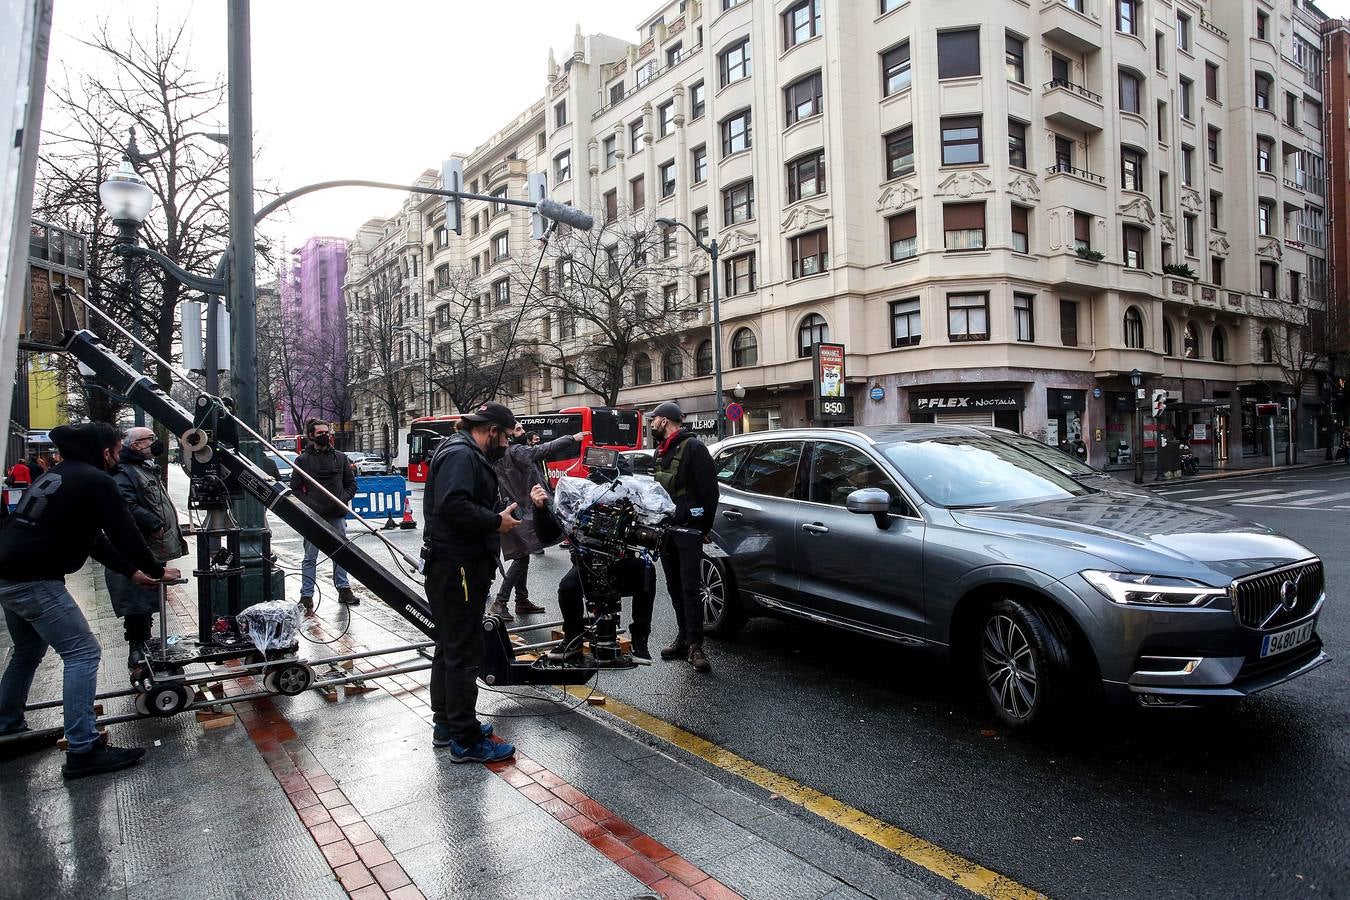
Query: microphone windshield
[(564, 214)]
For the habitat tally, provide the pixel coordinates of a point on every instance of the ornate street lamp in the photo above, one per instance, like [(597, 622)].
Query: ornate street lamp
[(1136, 381), (128, 199)]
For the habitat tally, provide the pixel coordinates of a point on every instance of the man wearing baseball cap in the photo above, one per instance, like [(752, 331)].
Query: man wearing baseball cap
[(464, 525), (684, 467)]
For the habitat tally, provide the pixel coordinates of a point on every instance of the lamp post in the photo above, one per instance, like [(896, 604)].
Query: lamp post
[(408, 329), (127, 198), (1136, 381), (711, 249)]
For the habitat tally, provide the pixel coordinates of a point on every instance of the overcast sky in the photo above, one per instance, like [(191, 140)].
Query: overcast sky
[(377, 89)]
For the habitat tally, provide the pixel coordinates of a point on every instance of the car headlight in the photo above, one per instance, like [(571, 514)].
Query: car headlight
[(1130, 589)]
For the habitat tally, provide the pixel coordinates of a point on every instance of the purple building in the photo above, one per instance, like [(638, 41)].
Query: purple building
[(314, 383)]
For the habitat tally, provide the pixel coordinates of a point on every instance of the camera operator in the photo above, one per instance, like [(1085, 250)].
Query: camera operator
[(684, 467), (463, 538)]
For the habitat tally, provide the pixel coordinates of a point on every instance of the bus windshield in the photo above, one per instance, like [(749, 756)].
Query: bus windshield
[(614, 427)]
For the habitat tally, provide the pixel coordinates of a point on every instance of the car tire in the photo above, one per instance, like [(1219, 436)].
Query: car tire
[(722, 611), (1023, 665)]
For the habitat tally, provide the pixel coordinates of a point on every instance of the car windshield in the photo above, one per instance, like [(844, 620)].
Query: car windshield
[(1065, 463), (968, 471)]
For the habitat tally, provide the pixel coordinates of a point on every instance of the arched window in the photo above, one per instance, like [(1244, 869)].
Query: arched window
[(1218, 344), (1267, 346), (813, 330), (703, 359), (1191, 344), (672, 365), (1169, 348), (744, 349), (1134, 328), (642, 369)]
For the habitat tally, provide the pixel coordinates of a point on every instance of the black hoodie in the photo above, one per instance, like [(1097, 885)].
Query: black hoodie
[(73, 512)]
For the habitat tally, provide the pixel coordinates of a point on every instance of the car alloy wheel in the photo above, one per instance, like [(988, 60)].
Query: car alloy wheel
[(714, 591), (1009, 667)]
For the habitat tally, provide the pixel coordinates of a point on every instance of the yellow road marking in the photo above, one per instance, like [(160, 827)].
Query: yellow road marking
[(970, 875)]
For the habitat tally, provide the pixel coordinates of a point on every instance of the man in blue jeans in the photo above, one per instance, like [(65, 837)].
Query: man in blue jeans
[(70, 513), (331, 469)]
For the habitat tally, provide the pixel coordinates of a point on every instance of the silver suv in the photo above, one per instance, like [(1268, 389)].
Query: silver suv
[(1042, 588)]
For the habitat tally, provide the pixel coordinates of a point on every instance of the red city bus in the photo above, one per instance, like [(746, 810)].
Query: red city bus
[(609, 427)]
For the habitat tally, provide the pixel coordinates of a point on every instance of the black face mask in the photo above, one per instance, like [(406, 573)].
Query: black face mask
[(495, 452), (321, 441), (520, 440), (157, 448)]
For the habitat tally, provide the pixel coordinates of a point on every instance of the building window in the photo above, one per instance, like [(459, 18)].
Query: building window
[(806, 176), (703, 359), (560, 114), (611, 206), (1068, 323), (801, 22), (1014, 53), (1183, 32), (963, 226), (1295, 287), (900, 152), (1190, 342), (672, 365), (1215, 205), (501, 245), (665, 118), (1169, 347), (1212, 145), (813, 330), (903, 233), (744, 349), (1131, 169), (1218, 344), (611, 151), (1265, 218), (736, 133), (895, 73), (501, 292), (803, 98), (1269, 278), (1134, 328), (738, 203), (958, 53), (667, 241), (442, 237), (734, 62), (1133, 240), (1131, 92), (1267, 346), (696, 101), (1024, 317), (961, 140), (1021, 229), (666, 175), (499, 208), (673, 53), (1188, 234), (739, 277), (699, 168), (1184, 97), (1160, 51), (1263, 89), (644, 73), (1216, 270), (1127, 16), (906, 326), (968, 317), (1187, 165), (1063, 154), (1212, 81), (635, 132), (638, 192), (616, 92), (1017, 144), (562, 167), (642, 369), (701, 223), (701, 288), (888, 5), (810, 253)]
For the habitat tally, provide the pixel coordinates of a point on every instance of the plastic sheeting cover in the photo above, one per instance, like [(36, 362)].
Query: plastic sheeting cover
[(271, 625), (574, 495)]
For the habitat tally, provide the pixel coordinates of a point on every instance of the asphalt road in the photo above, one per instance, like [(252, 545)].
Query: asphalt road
[(1248, 800)]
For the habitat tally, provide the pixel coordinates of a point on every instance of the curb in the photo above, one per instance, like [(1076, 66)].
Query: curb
[(1241, 473)]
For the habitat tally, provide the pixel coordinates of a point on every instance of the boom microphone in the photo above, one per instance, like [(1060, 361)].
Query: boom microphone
[(564, 214)]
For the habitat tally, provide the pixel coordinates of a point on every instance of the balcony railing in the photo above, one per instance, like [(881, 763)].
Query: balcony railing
[(1078, 89), (1078, 173)]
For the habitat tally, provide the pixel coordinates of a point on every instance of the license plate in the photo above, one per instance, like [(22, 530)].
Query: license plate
[(1281, 641)]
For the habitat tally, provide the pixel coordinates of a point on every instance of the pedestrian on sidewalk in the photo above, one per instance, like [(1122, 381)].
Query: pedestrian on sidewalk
[(19, 475), (517, 474), (464, 522), (137, 479), (684, 467), (70, 513), (333, 470)]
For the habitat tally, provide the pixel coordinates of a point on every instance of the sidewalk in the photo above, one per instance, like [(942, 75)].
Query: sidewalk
[(315, 797)]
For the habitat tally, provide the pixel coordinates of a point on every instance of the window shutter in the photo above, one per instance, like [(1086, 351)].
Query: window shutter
[(962, 216), (1082, 227), (1019, 220), (903, 227)]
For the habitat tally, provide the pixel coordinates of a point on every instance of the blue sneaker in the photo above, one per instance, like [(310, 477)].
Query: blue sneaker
[(440, 734), (485, 751)]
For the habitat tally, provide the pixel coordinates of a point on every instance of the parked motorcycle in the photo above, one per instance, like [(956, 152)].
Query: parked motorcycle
[(1189, 464)]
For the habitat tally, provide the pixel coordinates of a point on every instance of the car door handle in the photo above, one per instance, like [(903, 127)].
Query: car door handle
[(816, 528), (731, 514)]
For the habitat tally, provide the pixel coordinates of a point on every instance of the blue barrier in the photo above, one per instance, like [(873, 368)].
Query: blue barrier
[(380, 497)]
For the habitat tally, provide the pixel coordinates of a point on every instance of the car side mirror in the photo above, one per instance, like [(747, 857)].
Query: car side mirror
[(871, 501)]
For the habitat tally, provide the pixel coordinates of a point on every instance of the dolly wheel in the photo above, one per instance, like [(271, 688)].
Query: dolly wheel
[(166, 700), (141, 706), (290, 678)]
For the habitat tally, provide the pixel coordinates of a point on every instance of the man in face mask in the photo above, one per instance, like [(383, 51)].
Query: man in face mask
[(70, 513), (464, 521), (331, 469), (137, 480)]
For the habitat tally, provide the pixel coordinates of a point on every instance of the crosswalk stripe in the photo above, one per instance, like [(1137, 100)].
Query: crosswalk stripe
[(1323, 499), (1182, 491), (1266, 496)]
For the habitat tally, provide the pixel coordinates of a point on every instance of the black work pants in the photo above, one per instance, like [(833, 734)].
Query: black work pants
[(136, 628), (681, 557), (573, 602), (458, 594), (517, 578)]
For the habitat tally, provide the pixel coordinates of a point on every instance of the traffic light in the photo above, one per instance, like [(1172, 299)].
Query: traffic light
[(1159, 403), (536, 187), (452, 179)]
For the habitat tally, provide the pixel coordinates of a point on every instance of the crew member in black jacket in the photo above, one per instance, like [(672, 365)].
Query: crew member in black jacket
[(332, 469), (72, 512), (464, 525), (684, 467)]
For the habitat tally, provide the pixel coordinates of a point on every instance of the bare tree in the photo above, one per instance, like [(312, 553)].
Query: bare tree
[(1300, 342), (377, 349), (610, 296), (470, 339)]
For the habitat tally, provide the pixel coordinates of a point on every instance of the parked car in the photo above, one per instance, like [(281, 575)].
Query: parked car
[(1067, 463), (283, 465), (1038, 586), (368, 465)]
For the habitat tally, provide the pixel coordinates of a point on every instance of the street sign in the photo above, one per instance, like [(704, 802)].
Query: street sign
[(1267, 409), (877, 393), (735, 412)]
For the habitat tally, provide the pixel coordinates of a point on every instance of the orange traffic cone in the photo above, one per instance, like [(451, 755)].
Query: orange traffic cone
[(408, 521)]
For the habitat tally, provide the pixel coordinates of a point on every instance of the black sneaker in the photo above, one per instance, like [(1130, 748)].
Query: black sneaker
[(677, 650), (640, 648), (698, 660), (570, 650), (347, 597), (103, 758)]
